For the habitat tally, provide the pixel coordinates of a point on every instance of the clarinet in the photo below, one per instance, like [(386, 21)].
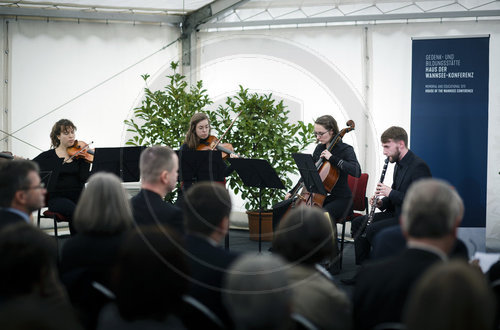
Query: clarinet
[(374, 205)]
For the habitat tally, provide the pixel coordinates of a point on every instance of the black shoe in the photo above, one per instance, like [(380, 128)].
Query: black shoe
[(349, 281)]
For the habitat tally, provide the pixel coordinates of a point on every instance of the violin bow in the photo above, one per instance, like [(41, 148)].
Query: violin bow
[(227, 130)]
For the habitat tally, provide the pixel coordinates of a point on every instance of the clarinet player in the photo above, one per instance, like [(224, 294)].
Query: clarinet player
[(408, 169)]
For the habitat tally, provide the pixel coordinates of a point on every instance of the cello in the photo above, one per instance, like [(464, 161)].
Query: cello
[(328, 174)]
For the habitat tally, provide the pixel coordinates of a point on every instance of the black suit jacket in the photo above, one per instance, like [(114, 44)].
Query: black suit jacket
[(9, 218), (149, 209), (412, 169), (208, 265), (383, 286)]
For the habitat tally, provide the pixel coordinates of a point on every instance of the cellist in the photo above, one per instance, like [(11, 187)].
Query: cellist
[(338, 202)]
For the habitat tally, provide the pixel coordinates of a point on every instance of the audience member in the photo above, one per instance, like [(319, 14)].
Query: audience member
[(431, 214), (207, 206), (28, 267), (494, 280), (451, 296), (149, 280), (159, 166), (305, 239), (257, 293), (28, 313), (102, 215), (21, 191), (390, 241)]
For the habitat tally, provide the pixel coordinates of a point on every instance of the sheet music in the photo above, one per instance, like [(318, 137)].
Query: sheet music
[(486, 260)]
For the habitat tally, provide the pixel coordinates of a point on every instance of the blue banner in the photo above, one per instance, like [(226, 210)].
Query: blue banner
[(449, 116)]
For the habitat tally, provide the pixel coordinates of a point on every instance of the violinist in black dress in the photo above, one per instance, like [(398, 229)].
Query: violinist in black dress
[(198, 137), (67, 175)]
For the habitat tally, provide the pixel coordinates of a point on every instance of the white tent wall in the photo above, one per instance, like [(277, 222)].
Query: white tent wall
[(86, 72), (297, 64)]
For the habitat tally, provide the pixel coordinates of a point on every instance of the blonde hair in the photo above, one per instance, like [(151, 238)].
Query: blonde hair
[(104, 207)]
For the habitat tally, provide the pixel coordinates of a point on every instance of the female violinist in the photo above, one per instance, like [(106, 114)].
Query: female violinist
[(68, 175), (198, 138), (338, 202)]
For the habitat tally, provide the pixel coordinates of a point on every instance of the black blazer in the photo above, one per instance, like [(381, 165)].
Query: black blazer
[(9, 218), (149, 209), (383, 286), (412, 169), (208, 265), (90, 254)]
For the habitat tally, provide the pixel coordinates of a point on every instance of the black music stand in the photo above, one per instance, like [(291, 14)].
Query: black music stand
[(201, 165), (45, 177), (196, 166), (122, 161), (257, 173), (309, 174)]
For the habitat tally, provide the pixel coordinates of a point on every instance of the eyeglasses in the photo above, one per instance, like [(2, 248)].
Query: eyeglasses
[(40, 186), (320, 133)]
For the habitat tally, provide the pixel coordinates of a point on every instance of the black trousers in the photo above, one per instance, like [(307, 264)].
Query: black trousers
[(363, 243), (64, 206)]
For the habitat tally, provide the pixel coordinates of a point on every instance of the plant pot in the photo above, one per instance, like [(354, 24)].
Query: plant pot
[(266, 225)]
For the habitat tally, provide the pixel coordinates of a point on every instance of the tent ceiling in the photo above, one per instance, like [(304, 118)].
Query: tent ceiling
[(258, 13), (169, 7), (234, 13)]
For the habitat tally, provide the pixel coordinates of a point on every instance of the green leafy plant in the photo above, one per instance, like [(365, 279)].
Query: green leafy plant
[(164, 115), (263, 131)]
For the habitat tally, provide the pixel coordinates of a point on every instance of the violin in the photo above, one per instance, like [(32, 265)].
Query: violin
[(80, 150), (212, 143)]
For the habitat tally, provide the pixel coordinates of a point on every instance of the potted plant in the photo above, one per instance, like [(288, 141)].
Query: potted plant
[(263, 131)]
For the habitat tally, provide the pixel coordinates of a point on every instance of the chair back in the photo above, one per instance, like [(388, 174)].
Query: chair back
[(302, 323), (195, 315), (358, 189)]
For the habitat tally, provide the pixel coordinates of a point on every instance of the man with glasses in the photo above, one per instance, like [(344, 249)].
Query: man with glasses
[(21, 191)]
